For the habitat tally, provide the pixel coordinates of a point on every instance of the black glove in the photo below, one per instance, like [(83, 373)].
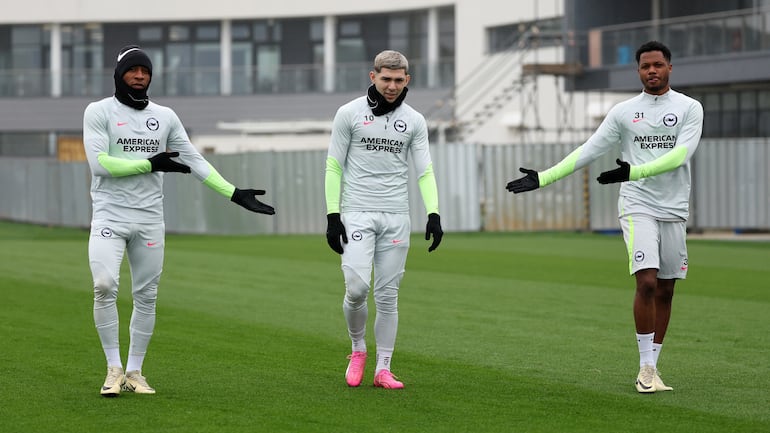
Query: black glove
[(335, 231), (619, 174), (527, 183), (163, 162), (247, 199), (434, 228)]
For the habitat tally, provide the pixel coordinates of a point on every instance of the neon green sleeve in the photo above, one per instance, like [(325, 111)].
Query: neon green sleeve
[(119, 167), (429, 190), (333, 185), (560, 170), (667, 162), (218, 183)]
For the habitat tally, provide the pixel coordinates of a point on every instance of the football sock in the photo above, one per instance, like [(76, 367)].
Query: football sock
[(656, 348), (134, 362), (383, 360), (113, 357), (359, 345), (646, 356)]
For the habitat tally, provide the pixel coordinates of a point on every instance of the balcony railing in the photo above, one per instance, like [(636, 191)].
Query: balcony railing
[(746, 30), (207, 81)]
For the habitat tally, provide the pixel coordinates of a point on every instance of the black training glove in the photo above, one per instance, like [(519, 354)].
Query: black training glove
[(335, 231), (527, 183), (434, 228), (247, 199), (619, 174), (163, 162)]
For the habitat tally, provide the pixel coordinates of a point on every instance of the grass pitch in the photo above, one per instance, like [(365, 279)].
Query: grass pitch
[(505, 332)]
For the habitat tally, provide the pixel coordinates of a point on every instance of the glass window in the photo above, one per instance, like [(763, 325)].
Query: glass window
[(150, 33), (763, 108), (549, 33), (730, 114), (748, 114), (349, 28), (317, 30), (206, 68), (240, 32), (209, 32), (260, 32), (711, 115), (178, 33), (82, 60)]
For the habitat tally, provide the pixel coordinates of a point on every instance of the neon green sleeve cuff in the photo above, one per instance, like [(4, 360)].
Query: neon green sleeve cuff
[(333, 185), (218, 183), (667, 162), (119, 167), (560, 170), (429, 190)]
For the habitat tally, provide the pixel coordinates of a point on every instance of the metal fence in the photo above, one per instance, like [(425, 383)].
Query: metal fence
[(731, 191)]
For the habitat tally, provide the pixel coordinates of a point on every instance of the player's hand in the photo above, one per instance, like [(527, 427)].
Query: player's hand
[(434, 228), (247, 198), (619, 174), (335, 232), (163, 162), (527, 183)]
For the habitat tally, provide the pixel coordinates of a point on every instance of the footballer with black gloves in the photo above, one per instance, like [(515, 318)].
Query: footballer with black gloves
[(129, 143), (656, 133)]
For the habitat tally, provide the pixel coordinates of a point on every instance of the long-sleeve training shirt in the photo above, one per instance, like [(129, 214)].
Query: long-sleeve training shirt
[(657, 135), (368, 160), (118, 141)]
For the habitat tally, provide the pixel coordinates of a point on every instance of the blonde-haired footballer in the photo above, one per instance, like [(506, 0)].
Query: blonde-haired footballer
[(373, 138)]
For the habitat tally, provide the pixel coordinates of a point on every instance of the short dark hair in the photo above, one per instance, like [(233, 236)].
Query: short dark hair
[(653, 46)]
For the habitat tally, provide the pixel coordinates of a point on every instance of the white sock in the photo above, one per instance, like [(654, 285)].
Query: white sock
[(383, 360), (656, 348), (134, 362), (646, 356), (359, 345), (113, 357)]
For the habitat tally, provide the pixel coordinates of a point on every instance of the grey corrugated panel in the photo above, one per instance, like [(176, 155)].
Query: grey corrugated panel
[(74, 186), (457, 177), (559, 206), (731, 189), (731, 184), (298, 195), (603, 198), (193, 208)]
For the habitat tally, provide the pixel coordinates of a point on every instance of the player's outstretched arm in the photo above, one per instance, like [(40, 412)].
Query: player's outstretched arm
[(529, 182), (247, 199)]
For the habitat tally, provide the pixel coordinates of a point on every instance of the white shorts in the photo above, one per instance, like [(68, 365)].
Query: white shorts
[(378, 239), (654, 244)]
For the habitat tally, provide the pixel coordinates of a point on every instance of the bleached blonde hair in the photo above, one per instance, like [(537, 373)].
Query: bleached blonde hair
[(392, 60)]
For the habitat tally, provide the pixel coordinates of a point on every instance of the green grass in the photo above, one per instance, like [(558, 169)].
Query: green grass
[(507, 332)]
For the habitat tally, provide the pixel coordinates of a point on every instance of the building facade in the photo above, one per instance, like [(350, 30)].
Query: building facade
[(245, 75)]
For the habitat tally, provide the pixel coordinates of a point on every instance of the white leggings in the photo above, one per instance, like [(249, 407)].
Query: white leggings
[(144, 244), (376, 240)]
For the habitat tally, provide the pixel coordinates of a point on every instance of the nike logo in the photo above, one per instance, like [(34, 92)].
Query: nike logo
[(639, 382), (122, 123), (396, 241), (367, 123), (151, 244), (636, 120)]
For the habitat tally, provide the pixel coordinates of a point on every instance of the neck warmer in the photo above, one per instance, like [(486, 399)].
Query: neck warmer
[(379, 104), (129, 57)]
